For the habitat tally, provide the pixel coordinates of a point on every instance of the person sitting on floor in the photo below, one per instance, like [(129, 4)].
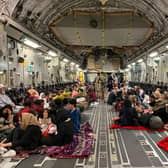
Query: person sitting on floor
[(27, 108), (64, 127), (150, 121), (6, 121), (45, 118), (44, 98), (118, 105), (159, 108), (4, 99), (128, 115), (146, 100), (157, 118), (91, 95), (38, 106), (139, 108), (33, 95), (47, 127), (27, 136), (75, 91), (74, 114)]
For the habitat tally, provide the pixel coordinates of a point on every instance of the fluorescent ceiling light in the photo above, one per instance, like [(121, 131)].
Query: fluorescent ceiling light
[(127, 70), (167, 46), (129, 66), (31, 43), (47, 58), (157, 58), (52, 53), (65, 60), (72, 63), (77, 65), (133, 63), (153, 54), (140, 60)]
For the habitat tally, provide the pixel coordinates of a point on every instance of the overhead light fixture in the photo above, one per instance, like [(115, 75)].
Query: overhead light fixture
[(129, 66), (140, 60), (65, 60), (72, 63), (52, 53), (133, 63), (156, 58), (47, 58), (77, 65), (153, 54), (31, 43), (126, 70), (167, 46)]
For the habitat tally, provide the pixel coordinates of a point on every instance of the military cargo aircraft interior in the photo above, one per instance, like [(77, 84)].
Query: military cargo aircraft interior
[(84, 83)]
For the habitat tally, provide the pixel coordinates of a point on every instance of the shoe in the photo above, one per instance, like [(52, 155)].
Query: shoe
[(96, 103), (9, 154)]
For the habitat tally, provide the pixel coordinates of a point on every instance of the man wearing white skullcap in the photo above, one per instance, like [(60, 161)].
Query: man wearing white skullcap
[(4, 99)]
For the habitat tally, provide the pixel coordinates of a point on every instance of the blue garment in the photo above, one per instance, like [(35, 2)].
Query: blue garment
[(75, 117)]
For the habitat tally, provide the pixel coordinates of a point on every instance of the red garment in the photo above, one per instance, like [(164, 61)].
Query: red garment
[(92, 96), (25, 110), (163, 143), (135, 128), (32, 99), (38, 108), (74, 94)]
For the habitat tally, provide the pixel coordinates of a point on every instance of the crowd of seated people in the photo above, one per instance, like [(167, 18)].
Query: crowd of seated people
[(138, 107), (53, 116)]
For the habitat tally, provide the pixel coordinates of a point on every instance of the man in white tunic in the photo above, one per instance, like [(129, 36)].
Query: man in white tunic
[(4, 99)]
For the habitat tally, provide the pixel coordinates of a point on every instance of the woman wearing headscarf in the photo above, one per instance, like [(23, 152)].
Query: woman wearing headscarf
[(128, 115), (28, 135)]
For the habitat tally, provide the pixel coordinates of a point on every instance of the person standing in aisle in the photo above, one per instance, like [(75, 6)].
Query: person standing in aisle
[(100, 85)]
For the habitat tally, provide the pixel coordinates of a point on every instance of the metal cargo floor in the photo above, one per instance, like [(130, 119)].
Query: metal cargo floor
[(112, 148)]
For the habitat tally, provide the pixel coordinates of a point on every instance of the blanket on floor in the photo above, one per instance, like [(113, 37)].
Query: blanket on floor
[(163, 143), (80, 147), (114, 126)]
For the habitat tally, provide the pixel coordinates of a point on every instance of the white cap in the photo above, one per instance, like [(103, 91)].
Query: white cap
[(2, 86)]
